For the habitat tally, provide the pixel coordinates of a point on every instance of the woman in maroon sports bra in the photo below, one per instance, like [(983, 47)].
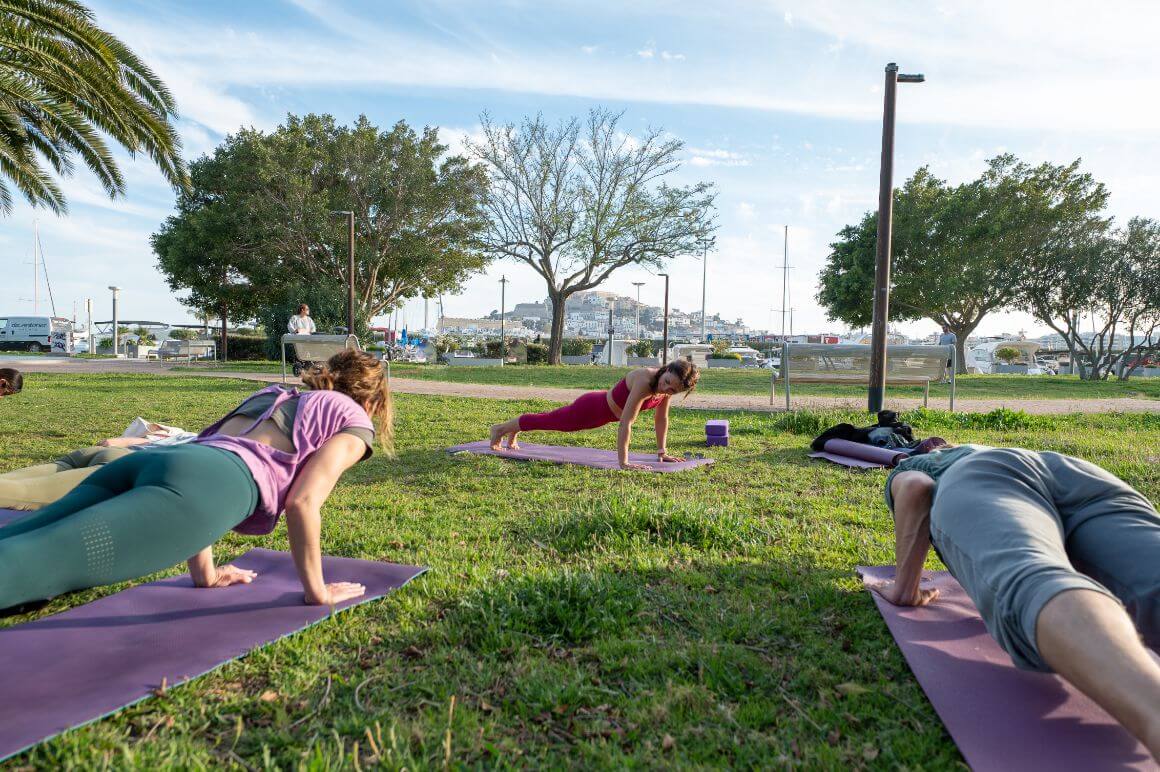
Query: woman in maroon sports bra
[(646, 388)]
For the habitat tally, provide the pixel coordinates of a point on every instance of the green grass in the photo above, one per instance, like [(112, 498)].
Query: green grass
[(571, 617), (755, 382)]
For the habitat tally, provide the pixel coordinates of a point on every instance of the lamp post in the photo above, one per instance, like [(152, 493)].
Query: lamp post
[(704, 284), (877, 389), (349, 270), (665, 335), (116, 336), (503, 280)]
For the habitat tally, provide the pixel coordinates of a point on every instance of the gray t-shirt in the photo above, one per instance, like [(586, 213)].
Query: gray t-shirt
[(931, 464)]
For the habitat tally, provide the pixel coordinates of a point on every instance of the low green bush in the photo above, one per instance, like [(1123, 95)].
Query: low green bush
[(575, 347), (537, 354)]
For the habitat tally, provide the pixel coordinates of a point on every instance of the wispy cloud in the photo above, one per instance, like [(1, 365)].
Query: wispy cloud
[(671, 57), (646, 53), (715, 157)]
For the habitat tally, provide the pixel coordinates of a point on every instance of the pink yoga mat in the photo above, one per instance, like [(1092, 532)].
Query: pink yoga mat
[(562, 454), (858, 455), (83, 664), (1001, 718)]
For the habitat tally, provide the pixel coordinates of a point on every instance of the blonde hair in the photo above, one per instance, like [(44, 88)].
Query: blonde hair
[(360, 376)]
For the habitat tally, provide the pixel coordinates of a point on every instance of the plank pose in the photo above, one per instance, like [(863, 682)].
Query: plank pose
[(645, 388), (1059, 556), (281, 450)]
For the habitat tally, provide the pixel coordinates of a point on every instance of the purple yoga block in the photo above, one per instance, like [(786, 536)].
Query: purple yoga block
[(717, 428), (721, 440)]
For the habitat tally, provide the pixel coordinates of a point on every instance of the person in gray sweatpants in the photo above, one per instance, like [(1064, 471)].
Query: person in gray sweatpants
[(1061, 558)]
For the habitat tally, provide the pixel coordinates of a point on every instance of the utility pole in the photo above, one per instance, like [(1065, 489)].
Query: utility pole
[(89, 324), (877, 389), (665, 336), (349, 269), (503, 280), (784, 281)]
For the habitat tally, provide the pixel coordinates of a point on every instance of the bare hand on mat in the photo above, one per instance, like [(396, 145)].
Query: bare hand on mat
[(893, 594), (227, 575), (337, 592)]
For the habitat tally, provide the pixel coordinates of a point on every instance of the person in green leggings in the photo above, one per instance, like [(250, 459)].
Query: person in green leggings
[(146, 511)]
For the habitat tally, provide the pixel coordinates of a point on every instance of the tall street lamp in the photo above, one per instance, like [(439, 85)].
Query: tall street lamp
[(349, 270), (503, 280), (877, 389), (704, 284), (116, 331), (665, 336)]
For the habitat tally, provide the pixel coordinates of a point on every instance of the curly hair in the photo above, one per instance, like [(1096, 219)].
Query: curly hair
[(361, 377)]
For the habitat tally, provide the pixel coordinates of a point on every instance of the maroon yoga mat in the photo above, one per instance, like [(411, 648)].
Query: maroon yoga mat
[(1001, 718), (563, 454), (858, 455), (90, 661)]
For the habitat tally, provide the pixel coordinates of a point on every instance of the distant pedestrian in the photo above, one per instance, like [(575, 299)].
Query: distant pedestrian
[(948, 338), (301, 323)]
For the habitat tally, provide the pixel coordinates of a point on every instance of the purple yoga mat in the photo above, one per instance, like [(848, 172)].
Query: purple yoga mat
[(859, 456), (90, 661), (8, 515), (562, 454), (1001, 718)]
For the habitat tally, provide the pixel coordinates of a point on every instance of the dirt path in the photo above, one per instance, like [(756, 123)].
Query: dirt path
[(695, 400)]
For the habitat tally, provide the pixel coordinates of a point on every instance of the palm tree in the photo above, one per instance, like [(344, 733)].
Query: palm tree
[(65, 85)]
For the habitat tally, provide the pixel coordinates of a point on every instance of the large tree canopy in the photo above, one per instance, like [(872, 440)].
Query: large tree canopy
[(959, 252), (582, 199), (417, 211), (65, 85)]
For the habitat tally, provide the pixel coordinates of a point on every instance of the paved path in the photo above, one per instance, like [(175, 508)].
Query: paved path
[(696, 400)]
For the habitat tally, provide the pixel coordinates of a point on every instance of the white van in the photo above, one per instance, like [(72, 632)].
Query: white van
[(36, 333)]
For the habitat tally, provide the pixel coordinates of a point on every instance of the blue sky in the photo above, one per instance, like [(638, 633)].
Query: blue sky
[(778, 102)]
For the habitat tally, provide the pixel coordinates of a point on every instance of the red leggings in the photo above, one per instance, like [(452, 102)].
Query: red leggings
[(587, 412)]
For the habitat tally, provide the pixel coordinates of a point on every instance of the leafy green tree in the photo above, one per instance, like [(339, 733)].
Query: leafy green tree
[(1007, 353), (581, 200), (959, 252), (66, 85)]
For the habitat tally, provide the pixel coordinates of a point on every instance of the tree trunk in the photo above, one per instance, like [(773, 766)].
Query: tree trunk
[(225, 339), (962, 332), (556, 339)]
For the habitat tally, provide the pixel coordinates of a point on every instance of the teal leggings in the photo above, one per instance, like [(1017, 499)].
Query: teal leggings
[(137, 515)]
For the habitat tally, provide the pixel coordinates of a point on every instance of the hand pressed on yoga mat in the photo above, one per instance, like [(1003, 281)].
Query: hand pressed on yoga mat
[(896, 595)]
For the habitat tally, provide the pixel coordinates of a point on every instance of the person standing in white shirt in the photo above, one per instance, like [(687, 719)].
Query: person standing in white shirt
[(301, 323)]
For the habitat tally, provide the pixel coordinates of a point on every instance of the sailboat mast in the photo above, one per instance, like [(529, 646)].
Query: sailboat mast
[(35, 271)]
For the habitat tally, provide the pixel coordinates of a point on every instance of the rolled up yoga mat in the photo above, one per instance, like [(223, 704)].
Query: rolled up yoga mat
[(562, 454), (78, 666), (858, 455), (1001, 718)]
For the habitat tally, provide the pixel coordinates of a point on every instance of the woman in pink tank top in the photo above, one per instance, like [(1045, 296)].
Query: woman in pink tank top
[(645, 388)]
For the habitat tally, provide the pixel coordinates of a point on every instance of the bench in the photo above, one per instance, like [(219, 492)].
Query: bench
[(315, 348), (172, 348), (850, 363)]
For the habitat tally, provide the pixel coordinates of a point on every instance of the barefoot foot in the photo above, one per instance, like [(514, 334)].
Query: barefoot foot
[(512, 443), (496, 437)]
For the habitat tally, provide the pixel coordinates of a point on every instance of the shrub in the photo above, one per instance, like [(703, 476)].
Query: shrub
[(493, 349), (184, 333), (575, 347), (537, 354), (1007, 353), (445, 344), (245, 347), (719, 348), (725, 355), (644, 348)]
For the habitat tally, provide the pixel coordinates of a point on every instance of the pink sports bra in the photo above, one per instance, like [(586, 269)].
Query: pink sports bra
[(620, 397)]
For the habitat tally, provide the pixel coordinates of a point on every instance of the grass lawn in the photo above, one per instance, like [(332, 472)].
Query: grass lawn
[(754, 381), (571, 617)]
